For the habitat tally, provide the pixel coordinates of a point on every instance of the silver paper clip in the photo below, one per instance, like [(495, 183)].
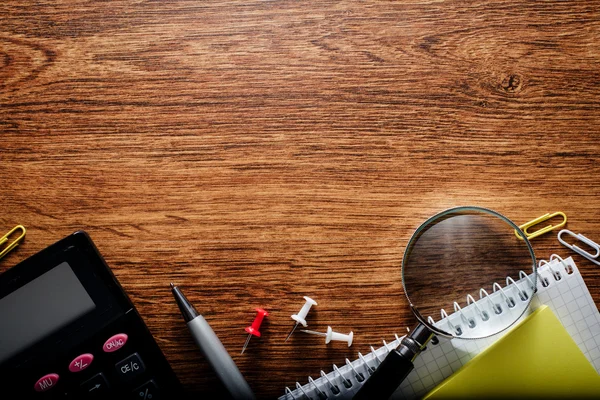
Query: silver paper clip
[(592, 257)]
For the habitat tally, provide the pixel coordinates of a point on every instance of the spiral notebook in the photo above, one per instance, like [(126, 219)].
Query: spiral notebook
[(560, 287), (520, 362)]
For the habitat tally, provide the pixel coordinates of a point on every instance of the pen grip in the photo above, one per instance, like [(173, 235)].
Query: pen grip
[(219, 359)]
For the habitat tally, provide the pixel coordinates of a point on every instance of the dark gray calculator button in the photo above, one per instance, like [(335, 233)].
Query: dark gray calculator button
[(96, 385), (148, 391), (130, 367)]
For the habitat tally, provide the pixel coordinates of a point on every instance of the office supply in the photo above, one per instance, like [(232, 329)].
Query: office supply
[(254, 329), (450, 253), (212, 348), (68, 328), (301, 390), (300, 318), (567, 297), (592, 257), (536, 359), (15, 242), (359, 376), (538, 220), (331, 335)]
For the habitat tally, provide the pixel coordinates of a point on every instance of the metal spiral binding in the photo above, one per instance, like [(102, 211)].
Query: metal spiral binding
[(349, 374), (346, 382), (366, 364), (505, 294), (359, 377), (511, 282), (334, 389), (555, 274), (568, 269), (376, 356), (470, 322), (322, 396), (510, 302), (345, 377)]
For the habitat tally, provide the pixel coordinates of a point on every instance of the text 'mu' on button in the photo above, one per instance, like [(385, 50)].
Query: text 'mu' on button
[(130, 367), (46, 382), (114, 343), (81, 362)]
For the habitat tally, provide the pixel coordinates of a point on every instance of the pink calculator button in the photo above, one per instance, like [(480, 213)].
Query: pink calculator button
[(81, 362), (46, 382), (115, 343)]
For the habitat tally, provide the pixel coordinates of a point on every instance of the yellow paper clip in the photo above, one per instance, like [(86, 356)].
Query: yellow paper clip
[(536, 221), (15, 242)]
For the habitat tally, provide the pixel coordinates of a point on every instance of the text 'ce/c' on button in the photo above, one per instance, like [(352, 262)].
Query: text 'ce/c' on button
[(130, 367)]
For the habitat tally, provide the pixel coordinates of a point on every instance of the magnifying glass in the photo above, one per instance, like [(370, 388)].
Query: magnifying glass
[(461, 251)]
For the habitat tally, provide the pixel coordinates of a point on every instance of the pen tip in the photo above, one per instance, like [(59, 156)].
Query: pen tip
[(172, 286)]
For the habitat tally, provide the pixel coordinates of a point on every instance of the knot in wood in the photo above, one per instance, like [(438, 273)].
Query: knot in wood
[(513, 83), (4, 60)]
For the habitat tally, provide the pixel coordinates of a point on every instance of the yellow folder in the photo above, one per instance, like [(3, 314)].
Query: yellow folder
[(536, 359)]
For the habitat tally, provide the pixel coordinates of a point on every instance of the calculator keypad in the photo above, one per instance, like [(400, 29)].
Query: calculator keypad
[(46, 382), (130, 367), (148, 390), (115, 342), (96, 385), (111, 363), (81, 362)]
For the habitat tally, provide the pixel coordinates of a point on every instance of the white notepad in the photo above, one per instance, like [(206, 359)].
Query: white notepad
[(560, 286)]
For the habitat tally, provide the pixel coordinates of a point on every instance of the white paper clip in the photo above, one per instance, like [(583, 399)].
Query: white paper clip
[(592, 257)]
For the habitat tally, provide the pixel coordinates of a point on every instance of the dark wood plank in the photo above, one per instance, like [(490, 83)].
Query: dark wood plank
[(256, 152)]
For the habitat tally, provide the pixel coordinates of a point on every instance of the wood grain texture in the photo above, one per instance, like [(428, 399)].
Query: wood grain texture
[(257, 151)]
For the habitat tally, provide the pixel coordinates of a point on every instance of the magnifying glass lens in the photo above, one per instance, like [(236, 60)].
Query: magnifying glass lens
[(466, 274), (468, 251)]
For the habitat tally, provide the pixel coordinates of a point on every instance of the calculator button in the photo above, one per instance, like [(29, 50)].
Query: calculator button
[(114, 343), (148, 391), (96, 385), (130, 367), (46, 382), (81, 362)]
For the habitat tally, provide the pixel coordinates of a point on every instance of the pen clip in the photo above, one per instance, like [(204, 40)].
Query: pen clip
[(15, 242)]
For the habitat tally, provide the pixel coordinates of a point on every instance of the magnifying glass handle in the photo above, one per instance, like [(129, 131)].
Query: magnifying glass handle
[(395, 367), (386, 378)]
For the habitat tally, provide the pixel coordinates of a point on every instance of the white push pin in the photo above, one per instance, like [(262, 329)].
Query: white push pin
[(331, 335), (300, 318)]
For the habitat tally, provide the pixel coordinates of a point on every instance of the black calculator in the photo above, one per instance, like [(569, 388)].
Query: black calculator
[(68, 330)]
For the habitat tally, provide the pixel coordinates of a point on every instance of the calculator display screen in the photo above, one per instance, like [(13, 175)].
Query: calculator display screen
[(40, 308)]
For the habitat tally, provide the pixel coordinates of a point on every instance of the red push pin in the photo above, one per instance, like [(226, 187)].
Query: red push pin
[(253, 329)]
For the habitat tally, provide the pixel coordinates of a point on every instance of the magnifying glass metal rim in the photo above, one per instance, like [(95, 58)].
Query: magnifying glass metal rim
[(424, 226), (399, 361)]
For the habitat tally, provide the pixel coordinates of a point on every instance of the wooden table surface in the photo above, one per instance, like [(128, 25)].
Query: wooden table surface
[(254, 152)]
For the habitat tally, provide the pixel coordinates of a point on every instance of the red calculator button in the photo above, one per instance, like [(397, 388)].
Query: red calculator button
[(46, 382), (115, 343), (81, 362)]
